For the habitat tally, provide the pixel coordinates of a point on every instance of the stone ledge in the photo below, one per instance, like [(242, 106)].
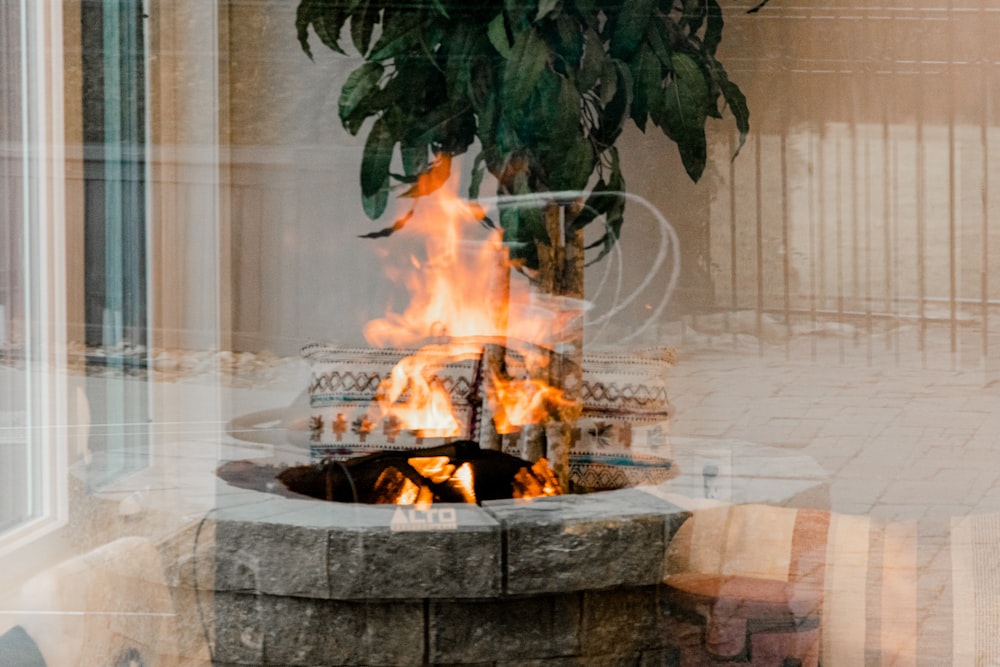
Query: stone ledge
[(471, 631), (573, 543), (605, 628), (315, 549)]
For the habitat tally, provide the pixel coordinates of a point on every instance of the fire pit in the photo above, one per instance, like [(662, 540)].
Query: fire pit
[(552, 581), (456, 472), (479, 353)]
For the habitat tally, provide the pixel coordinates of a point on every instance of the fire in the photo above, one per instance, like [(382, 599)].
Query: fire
[(524, 401), (435, 468), (463, 481), (537, 482), (440, 470), (462, 298)]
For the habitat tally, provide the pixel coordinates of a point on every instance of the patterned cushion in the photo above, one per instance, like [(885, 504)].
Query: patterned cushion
[(624, 401), (894, 592)]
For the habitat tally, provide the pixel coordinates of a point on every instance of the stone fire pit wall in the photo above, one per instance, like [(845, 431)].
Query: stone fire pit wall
[(557, 581)]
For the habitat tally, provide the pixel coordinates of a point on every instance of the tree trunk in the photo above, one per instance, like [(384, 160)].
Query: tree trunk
[(561, 265)]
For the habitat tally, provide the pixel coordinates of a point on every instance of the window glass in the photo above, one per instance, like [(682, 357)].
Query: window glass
[(540, 332)]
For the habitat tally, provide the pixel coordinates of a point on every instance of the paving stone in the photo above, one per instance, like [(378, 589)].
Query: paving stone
[(918, 493), (511, 629), (571, 543)]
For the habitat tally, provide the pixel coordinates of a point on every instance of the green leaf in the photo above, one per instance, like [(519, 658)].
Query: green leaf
[(478, 173), (686, 100), (375, 205), (687, 97), (510, 221), (520, 245), (456, 133), (659, 41), (362, 24), (614, 113), (613, 230), (518, 15), (630, 27), (603, 196), (616, 181), (375, 168), (609, 82), (303, 17), (546, 7), (359, 85), (326, 17), (648, 78), (400, 36), (694, 15), (694, 153), (414, 156), (497, 32), (737, 103), (521, 223), (551, 118), (598, 203), (567, 41), (441, 9), (573, 167), (713, 28), (458, 45), (592, 61), (585, 7), (610, 202), (528, 58)]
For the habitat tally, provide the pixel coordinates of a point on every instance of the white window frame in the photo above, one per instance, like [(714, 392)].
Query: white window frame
[(44, 253)]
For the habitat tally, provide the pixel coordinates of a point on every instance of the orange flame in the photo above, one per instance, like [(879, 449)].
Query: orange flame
[(462, 297), (462, 479), (440, 470), (525, 401)]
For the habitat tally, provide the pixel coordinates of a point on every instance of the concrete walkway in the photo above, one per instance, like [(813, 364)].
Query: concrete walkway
[(902, 433)]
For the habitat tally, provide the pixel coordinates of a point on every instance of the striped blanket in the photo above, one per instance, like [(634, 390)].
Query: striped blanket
[(907, 594)]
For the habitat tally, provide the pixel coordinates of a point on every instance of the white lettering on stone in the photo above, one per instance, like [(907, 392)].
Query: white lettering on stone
[(430, 519)]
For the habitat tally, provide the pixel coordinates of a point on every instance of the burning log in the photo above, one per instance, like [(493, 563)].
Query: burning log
[(458, 472)]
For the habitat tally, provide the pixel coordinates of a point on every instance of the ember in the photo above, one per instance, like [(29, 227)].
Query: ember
[(459, 472)]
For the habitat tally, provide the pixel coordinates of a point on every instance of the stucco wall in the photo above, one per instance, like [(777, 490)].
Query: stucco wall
[(856, 111)]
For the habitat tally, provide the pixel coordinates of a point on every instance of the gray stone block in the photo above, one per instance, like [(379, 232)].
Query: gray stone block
[(238, 632), (302, 631), (455, 553), (642, 499), (666, 657), (395, 633), (515, 629), (621, 621), (345, 563), (272, 558), (629, 660), (573, 543)]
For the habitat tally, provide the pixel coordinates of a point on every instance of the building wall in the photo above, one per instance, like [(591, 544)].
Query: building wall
[(865, 184)]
